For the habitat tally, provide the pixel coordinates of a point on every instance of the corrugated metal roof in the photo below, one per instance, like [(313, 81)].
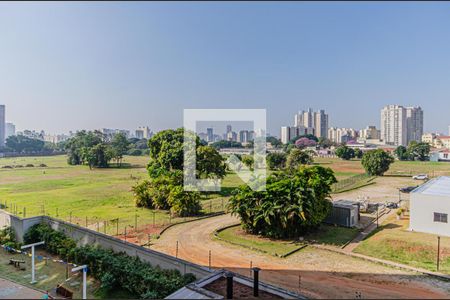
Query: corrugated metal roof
[(439, 186)]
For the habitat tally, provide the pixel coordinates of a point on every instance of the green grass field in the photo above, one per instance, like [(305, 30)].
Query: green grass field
[(393, 241), (326, 234), (78, 194)]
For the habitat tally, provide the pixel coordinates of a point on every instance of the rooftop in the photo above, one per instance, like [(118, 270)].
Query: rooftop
[(439, 186)]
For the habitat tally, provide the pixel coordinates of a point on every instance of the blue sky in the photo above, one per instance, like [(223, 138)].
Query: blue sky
[(66, 66)]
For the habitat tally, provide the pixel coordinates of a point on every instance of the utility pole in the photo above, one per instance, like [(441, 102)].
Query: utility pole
[(438, 252)]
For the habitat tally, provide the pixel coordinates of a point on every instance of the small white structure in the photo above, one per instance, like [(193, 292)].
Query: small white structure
[(430, 207)]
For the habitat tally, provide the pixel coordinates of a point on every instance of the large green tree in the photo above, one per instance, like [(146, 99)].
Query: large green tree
[(298, 157), (292, 204), (276, 160), (119, 147), (401, 152), (88, 148), (376, 162), (344, 152), (419, 151)]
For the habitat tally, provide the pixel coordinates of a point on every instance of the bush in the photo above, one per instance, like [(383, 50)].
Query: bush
[(8, 238), (114, 269), (7, 167), (43, 166), (18, 166), (29, 166), (293, 203)]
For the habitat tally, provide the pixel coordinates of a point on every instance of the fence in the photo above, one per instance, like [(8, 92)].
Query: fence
[(85, 236), (350, 182), (139, 226)]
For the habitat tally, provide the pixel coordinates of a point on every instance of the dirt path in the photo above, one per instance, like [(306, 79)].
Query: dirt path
[(385, 189), (321, 274)]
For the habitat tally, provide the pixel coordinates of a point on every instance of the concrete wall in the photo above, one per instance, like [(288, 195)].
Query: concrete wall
[(422, 208), (84, 236)]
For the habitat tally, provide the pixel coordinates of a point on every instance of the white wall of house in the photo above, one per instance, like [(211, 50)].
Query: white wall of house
[(422, 209)]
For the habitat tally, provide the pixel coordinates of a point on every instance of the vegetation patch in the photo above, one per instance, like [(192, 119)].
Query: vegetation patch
[(236, 235), (393, 241), (113, 270)]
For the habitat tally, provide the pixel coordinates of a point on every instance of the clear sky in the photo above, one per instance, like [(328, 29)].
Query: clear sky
[(67, 66)]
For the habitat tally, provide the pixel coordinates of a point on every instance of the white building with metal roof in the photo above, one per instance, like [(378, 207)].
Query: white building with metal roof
[(430, 207)]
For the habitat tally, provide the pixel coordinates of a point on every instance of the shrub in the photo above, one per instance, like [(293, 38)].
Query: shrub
[(293, 203), (8, 238), (43, 166), (7, 167), (114, 269), (29, 166)]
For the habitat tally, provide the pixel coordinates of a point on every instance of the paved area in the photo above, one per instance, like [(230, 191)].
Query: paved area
[(12, 290), (314, 273)]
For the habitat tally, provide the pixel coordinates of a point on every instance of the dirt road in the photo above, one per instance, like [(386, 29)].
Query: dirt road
[(312, 272), (385, 189)]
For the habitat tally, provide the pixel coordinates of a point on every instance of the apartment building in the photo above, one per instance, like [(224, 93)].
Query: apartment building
[(342, 135), (401, 125)]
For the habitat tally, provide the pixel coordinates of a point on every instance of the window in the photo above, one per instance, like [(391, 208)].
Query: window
[(439, 217), (445, 155)]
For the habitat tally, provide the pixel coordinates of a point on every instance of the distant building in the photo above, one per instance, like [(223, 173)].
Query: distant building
[(209, 135), (316, 121), (143, 133), (244, 136), (55, 138), (109, 133), (400, 125), (288, 133), (232, 136), (2, 126), (10, 130), (370, 133), (229, 128), (429, 138), (342, 135)]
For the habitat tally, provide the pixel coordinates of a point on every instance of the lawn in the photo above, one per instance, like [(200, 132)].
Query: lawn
[(326, 234), (392, 241), (48, 275), (237, 236), (95, 197)]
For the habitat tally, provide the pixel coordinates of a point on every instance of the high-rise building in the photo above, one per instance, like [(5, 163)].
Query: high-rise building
[(400, 125), (321, 123), (209, 135), (316, 120), (10, 130), (2, 126), (244, 136), (143, 132), (289, 132), (414, 123), (229, 128)]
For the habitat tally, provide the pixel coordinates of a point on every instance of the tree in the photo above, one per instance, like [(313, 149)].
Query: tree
[(119, 147), (401, 152), (297, 158), (276, 160), (358, 153), (273, 141), (325, 143), (376, 162), (344, 152), (293, 203), (210, 164), (248, 161), (304, 142), (226, 144), (419, 151), (23, 144), (88, 148)]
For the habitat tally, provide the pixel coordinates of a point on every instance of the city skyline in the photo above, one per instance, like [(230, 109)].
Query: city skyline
[(136, 71)]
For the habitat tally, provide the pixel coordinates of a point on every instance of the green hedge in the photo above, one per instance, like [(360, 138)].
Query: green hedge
[(114, 270)]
